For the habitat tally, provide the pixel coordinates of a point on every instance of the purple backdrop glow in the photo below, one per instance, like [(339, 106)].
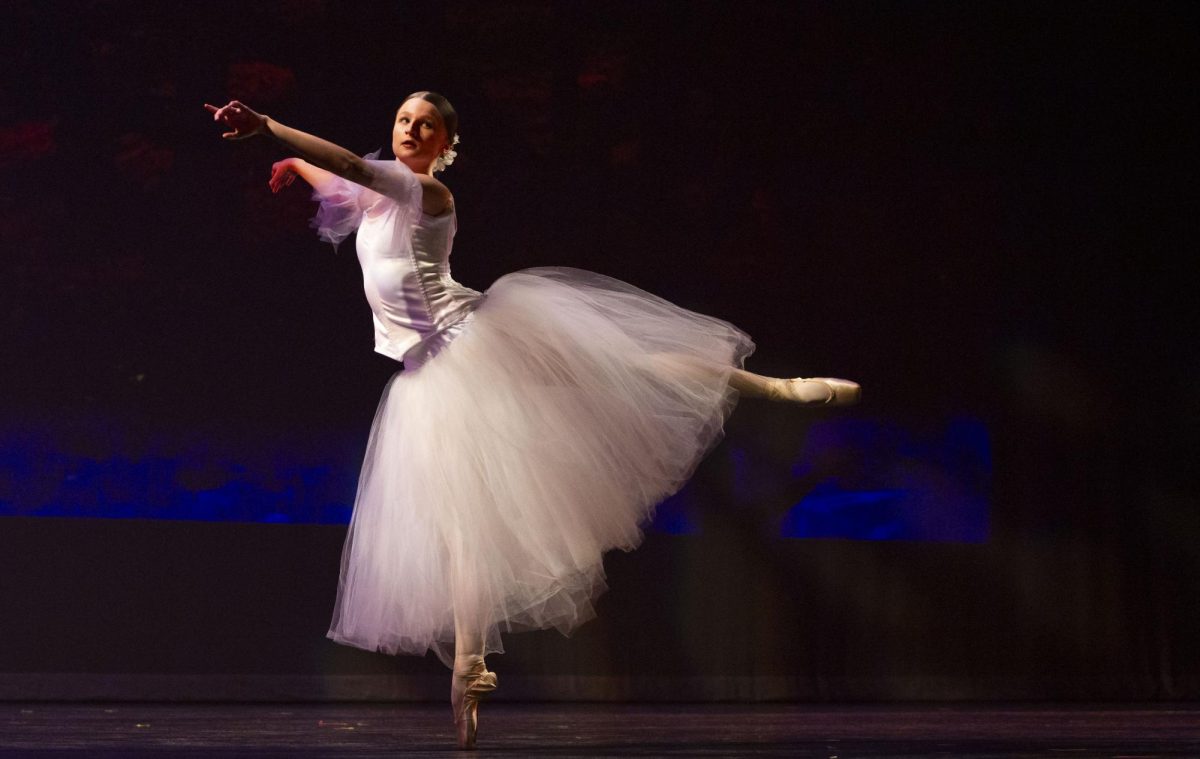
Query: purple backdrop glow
[(857, 479)]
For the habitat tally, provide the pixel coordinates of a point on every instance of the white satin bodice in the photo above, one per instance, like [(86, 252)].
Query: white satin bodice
[(406, 277)]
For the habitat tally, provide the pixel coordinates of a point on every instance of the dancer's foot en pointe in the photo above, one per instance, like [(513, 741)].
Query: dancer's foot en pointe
[(812, 391), (820, 391), (471, 682)]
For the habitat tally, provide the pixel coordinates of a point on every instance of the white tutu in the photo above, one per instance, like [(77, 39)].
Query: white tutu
[(516, 448)]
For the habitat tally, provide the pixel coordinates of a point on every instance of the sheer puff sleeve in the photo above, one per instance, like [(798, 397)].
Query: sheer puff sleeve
[(343, 203)]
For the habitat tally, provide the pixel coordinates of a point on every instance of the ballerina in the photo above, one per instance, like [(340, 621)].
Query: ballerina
[(532, 428)]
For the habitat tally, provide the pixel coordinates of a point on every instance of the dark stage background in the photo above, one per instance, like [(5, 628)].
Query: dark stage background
[(979, 211)]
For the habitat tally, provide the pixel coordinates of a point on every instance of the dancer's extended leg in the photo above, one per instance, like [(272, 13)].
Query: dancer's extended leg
[(812, 390)]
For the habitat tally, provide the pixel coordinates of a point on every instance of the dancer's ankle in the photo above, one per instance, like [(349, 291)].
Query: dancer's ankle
[(468, 662)]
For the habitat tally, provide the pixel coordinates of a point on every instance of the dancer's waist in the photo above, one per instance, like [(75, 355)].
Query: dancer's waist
[(435, 342)]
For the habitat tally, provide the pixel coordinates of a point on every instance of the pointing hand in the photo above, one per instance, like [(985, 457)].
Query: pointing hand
[(240, 118)]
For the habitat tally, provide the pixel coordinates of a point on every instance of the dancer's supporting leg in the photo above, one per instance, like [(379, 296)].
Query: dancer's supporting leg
[(471, 681)]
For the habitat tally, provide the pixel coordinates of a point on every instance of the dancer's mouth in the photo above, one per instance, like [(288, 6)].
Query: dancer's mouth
[(409, 144)]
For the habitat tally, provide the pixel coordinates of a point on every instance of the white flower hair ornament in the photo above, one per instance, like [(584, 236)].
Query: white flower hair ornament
[(445, 159)]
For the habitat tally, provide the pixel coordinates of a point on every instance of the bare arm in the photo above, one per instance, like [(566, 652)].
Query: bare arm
[(246, 122), (322, 154), (284, 172)]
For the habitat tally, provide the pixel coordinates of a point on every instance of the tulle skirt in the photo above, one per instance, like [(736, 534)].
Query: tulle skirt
[(515, 449)]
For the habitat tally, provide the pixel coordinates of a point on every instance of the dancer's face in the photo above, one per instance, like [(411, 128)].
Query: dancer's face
[(418, 135)]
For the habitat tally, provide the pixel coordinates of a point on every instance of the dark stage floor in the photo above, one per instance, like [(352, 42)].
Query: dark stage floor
[(594, 730)]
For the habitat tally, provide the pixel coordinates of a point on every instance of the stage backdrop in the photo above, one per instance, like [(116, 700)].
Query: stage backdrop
[(980, 213)]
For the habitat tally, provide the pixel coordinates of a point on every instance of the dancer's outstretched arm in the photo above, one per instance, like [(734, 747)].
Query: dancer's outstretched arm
[(244, 122), (324, 155)]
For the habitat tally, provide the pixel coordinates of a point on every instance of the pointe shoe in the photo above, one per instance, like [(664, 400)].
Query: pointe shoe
[(838, 392), (469, 685)]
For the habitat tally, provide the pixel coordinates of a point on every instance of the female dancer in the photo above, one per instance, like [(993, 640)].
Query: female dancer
[(532, 428)]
